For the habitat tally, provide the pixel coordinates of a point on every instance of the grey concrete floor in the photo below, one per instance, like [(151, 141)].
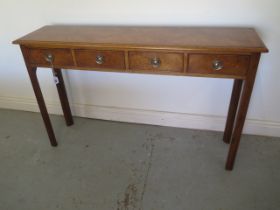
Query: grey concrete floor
[(105, 165)]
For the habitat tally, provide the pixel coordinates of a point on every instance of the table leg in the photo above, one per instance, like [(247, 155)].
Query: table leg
[(63, 97), (242, 110), (41, 103), (235, 95)]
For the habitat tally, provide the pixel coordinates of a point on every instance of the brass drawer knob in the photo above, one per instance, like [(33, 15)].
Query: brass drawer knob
[(49, 58), (99, 59), (155, 62), (217, 65)]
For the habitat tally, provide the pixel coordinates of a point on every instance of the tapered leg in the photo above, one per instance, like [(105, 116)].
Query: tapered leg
[(242, 111), (236, 90), (63, 97), (41, 103)]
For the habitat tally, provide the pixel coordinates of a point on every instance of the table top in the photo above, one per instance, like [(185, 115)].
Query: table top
[(185, 38)]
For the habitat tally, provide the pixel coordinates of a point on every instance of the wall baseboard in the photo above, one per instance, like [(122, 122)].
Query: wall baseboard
[(172, 119)]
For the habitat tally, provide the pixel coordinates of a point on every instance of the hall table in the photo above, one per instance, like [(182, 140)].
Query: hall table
[(219, 52)]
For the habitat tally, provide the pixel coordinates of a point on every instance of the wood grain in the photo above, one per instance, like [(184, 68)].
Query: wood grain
[(185, 38), (141, 61), (232, 64), (112, 59), (62, 57)]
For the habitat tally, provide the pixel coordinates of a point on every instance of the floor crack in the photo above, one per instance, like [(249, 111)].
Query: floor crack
[(147, 172)]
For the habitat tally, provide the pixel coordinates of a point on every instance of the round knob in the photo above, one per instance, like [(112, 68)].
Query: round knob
[(99, 59), (49, 58), (155, 62), (217, 65)]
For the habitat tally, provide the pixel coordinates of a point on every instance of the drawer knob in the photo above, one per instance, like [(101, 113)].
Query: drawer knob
[(49, 58), (155, 62), (217, 65), (99, 59)]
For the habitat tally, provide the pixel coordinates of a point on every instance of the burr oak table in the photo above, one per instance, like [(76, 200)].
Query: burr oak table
[(219, 52)]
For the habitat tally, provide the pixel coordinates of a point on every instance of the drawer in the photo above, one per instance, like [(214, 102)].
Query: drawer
[(50, 57), (156, 61), (100, 59), (235, 65)]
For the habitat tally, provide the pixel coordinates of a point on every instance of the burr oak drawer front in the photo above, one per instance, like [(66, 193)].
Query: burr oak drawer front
[(50, 57), (235, 65), (100, 59), (154, 61)]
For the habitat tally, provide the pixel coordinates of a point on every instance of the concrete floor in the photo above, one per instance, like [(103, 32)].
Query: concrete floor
[(104, 165)]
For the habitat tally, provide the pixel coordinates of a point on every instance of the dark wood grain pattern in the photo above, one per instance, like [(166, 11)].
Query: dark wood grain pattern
[(184, 51)]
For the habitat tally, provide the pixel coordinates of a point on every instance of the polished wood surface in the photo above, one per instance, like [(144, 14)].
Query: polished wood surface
[(185, 51), (62, 57), (232, 64), (111, 59), (142, 61), (185, 38)]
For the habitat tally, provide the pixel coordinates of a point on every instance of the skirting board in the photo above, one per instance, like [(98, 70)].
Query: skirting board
[(172, 119)]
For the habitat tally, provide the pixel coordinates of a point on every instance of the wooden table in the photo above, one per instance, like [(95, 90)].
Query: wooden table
[(184, 51)]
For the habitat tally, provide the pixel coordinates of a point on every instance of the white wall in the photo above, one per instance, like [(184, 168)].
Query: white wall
[(166, 100)]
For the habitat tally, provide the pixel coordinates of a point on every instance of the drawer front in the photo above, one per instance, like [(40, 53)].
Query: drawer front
[(235, 65), (50, 57), (156, 61), (102, 59)]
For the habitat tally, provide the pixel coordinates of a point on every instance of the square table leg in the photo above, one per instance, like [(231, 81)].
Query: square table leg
[(63, 97), (242, 110), (236, 90), (41, 104)]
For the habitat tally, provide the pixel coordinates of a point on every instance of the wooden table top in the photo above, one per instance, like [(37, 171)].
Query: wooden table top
[(153, 37)]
